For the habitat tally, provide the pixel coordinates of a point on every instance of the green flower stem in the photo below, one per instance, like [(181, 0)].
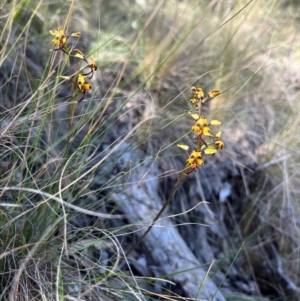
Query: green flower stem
[(181, 178)]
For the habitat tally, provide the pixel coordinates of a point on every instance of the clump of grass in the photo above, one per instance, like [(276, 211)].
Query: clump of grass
[(67, 130)]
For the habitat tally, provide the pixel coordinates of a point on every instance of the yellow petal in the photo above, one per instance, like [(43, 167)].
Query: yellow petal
[(210, 150), (79, 56), (218, 135), (213, 93), (78, 53), (206, 130), (76, 34), (81, 79), (196, 89), (207, 134), (202, 121), (199, 94), (195, 116), (199, 161), (196, 128), (215, 122), (193, 101), (195, 154), (183, 146)]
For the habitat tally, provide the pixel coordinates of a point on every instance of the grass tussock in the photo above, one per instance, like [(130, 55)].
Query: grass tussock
[(71, 142)]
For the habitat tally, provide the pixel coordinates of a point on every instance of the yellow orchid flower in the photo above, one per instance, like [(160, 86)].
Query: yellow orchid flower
[(195, 158), (60, 37), (93, 65), (82, 83), (198, 93)]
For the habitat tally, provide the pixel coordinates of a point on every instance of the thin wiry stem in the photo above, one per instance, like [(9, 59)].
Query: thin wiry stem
[(181, 178)]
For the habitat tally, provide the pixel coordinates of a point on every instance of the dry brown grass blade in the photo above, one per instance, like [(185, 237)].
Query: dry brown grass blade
[(133, 48)]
